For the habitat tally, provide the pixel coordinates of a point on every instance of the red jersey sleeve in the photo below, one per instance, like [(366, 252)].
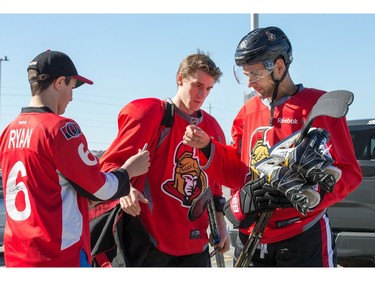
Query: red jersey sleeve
[(139, 117), (74, 161), (226, 159), (342, 151)]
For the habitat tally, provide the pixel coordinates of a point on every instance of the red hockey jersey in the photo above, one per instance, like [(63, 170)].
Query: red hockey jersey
[(253, 137), (48, 174), (175, 177)]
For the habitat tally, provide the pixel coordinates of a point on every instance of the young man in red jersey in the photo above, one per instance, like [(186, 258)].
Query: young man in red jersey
[(49, 173), (278, 110), (163, 197)]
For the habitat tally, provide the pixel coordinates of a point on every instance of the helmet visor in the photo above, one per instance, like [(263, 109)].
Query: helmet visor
[(244, 77)]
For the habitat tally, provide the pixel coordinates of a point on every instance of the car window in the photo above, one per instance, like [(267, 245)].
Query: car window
[(364, 143), (372, 147)]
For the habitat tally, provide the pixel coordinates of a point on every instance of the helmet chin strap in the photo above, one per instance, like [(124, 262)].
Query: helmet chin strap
[(274, 95)]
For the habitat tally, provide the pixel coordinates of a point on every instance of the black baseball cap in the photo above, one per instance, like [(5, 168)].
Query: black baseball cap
[(53, 64)]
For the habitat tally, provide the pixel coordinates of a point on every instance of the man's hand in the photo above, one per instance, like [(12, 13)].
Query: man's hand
[(243, 208), (224, 244), (130, 203), (137, 164), (276, 198), (196, 137)]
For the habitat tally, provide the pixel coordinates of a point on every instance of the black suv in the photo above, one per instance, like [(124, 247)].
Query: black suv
[(353, 219)]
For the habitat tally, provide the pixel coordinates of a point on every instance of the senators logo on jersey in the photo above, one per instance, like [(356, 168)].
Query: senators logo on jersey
[(189, 180), (259, 149), (71, 130)]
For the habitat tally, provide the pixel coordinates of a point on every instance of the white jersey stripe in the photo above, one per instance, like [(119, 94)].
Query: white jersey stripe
[(109, 189), (72, 222)]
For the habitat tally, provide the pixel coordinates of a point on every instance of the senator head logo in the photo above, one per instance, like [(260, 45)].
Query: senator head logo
[(189, 180)]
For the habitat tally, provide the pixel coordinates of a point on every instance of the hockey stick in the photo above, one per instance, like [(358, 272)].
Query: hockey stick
[(252, 242), (215, 232), (333, 104), (203, 201)]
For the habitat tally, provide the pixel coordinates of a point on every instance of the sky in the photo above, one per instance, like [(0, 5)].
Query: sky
[(134, 52)]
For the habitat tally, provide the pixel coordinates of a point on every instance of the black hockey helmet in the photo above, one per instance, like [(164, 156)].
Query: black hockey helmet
[(264, 45)]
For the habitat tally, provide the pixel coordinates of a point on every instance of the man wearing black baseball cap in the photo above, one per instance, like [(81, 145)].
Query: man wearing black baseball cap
[(52, 64), (49, 173), (53, 68)]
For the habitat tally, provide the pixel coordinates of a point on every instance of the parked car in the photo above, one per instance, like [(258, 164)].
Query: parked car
[(353, 218), (2, 212)]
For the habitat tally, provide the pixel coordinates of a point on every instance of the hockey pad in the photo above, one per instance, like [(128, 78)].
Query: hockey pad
[(311, 157), (328, 179), (292, 186), (334, 171)]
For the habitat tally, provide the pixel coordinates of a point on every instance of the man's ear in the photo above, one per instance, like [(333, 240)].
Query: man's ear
[(279, 68), (179, 79), (59, 82)]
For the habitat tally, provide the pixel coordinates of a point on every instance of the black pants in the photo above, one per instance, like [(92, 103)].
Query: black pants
[(156, 258), (312, 248)]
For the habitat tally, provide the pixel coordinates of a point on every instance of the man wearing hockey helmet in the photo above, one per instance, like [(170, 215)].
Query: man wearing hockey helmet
[(292, 237)]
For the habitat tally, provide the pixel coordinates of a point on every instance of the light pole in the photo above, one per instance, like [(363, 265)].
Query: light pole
[(254, 24), (254, 21), (1, 60)]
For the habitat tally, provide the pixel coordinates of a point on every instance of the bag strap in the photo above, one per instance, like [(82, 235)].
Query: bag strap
[(101, 208), (102, 260), (168, 113)]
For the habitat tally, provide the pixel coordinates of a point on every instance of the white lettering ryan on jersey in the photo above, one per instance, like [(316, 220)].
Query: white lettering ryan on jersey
[(20, 138)]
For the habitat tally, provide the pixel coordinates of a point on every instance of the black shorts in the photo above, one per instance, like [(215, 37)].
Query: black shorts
[(156, 258), (312, 248)]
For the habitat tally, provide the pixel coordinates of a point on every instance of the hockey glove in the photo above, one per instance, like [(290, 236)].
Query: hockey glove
[(244, 206), (276, 199), (256, 196)]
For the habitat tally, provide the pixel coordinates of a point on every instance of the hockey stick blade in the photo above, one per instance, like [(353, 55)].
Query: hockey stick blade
[(334, 104), (199, 204)]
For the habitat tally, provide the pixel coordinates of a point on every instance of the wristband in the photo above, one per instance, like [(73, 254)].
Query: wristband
[(219, 202), (207, 150)]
